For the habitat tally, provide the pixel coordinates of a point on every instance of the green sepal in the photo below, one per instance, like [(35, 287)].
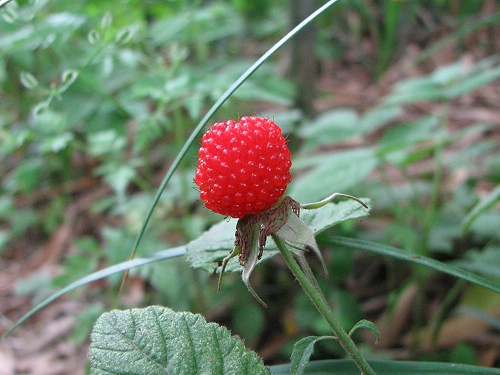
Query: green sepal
[(300, 236), (231, 255)]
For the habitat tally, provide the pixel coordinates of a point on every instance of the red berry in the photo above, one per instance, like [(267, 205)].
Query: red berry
[(243, 167)]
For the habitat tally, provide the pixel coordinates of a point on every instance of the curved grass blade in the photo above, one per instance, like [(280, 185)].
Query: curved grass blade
[(347, 367), (4, 2), (197, 130), (483, 205), (101, 274), (413, 258)]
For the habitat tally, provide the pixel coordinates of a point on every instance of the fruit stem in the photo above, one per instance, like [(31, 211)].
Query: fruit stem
[(319, 301)]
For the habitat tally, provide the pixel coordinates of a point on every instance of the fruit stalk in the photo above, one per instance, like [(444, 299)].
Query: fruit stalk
[(319, 301)]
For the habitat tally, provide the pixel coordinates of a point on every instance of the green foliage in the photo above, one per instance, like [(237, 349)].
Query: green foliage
[(157, 340), (92, 91), (302, 351), (388, 368), (88, 82)]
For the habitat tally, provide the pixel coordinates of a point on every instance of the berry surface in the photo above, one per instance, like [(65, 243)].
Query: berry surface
[(243, 166)]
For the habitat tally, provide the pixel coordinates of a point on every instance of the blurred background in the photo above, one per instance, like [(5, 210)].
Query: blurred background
[(398, 101)]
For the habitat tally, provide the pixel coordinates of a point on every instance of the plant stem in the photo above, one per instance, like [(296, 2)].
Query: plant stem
[(319, 301)]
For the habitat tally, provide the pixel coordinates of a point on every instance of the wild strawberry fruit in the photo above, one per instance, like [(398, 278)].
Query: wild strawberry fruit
[(243, 166)]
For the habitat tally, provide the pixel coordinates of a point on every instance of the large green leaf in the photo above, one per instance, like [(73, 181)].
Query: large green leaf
[(331, 127), (216, 243), (347, 367), (158, 340)]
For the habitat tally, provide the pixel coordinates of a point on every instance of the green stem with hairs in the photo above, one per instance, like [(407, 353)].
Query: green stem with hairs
[(319, 301)]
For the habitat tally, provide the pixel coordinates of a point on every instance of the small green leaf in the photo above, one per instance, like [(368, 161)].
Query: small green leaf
[(28, 80), (157, 340), (415, 90), (118, 177), (40, 108), (366, 324), (405, 135), (124, 35), (302, 351), (106, 20), (93, 36), (474, 81), (67, 78), (378, 117)]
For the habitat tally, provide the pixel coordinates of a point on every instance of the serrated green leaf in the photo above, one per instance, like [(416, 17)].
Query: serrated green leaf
[(366, 324), (302, 351), (157, 340), (215, 244)]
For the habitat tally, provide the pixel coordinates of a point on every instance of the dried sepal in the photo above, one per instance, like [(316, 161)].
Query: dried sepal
[(283, 221)]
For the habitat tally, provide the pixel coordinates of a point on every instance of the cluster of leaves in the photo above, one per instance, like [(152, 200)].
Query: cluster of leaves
[(96, 99), (91, 97)]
